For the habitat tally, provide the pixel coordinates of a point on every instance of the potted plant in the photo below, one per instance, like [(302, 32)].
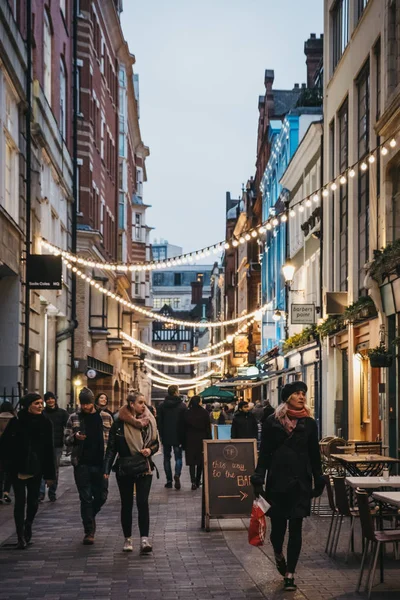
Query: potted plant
[(380, 357), (331, 325), (386, 262), (363, 308)]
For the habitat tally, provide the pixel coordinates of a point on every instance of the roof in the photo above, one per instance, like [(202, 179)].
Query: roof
[(284, 101)]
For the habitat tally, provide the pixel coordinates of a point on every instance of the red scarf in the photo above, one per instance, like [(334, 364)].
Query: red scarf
[(290, 420)]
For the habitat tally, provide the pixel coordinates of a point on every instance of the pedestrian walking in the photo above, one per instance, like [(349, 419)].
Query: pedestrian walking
[(101, 403), (258, 410), (217, 415), (290, 452), (59, 418), (170, 413), (244, 423), (27, 448), (268, 411), (86, 435), (7, 413), (134, 466), (196, 427)]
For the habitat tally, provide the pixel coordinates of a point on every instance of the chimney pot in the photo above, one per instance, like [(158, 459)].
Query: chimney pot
[(296, 86), (312, 36), (303, 86)]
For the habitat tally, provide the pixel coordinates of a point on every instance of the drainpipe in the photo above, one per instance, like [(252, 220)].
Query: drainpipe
[(28, 182), (321, 284), (45, 351), (74, 323)]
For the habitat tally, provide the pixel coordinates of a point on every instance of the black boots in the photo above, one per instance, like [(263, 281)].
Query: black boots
[(21, 544), (28, 532)]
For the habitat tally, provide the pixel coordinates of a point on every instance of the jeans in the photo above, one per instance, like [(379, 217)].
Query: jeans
[(26, 493), (195, 473), (278, 530), (53, 487), (93, 492), (143, 485), (167, 461)]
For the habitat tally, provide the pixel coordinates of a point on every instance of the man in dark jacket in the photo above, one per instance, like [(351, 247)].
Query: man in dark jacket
[(244, 424), (169, 416), (87, 434), (59, 418)]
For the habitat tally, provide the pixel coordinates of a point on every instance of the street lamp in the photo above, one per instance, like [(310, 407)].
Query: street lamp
[(277, 315), (77, 384), (288, 271)]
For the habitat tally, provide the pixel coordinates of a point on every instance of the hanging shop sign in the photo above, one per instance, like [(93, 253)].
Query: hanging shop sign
[(240, 345), (44, 272), (302, 314)]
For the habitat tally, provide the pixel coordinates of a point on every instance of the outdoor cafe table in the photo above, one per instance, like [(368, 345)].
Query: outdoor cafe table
[(373, 482), (392, 498), (364, 464)]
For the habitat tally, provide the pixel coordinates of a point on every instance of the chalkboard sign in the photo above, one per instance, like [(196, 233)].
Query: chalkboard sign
[(228, 466)]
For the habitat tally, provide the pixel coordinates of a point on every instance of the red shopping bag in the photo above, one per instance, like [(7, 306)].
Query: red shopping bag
[(258, 524)]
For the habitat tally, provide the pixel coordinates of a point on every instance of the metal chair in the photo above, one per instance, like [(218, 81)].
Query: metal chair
[(373, 537), (333, 466), (368, 447), (343, 509), (331, 500)]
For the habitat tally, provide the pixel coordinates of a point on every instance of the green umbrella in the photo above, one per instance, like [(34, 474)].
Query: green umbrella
[(217, 393)]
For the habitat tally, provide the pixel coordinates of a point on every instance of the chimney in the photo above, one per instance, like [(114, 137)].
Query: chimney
[(197, 291), (296, 86), (313, 49)]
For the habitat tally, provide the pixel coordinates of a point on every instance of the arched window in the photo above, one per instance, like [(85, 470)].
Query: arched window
[(47, 52)]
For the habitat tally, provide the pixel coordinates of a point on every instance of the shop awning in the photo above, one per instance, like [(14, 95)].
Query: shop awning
[(214, 392)]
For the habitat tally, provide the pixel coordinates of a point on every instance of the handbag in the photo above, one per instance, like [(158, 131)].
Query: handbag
[(132, 466), (258, 522)]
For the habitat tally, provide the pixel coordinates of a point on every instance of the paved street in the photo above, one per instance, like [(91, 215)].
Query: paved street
[(186, 563)]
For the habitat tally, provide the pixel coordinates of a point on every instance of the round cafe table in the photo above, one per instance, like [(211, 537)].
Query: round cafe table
[(365, 464)]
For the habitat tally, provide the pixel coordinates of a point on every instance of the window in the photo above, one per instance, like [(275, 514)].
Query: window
[(63, 100), (138, 226), (158, 278), (395, 225), (177, 278), (363, 87), (177, 303), (377, 54), (121, 136), (340, 30), (137, 283), (393, 54), (9, 166), (47, 55), (360, 6), (332, 173), (121, 211), (343, 196), (63, 8)]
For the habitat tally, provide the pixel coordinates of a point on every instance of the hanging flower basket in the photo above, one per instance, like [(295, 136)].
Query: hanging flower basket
[(379, 357)]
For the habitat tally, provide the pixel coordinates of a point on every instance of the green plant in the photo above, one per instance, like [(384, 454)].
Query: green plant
[(386, 261), (380, 350), (331, 325), (380, 356), (300, 339), (362, 308)]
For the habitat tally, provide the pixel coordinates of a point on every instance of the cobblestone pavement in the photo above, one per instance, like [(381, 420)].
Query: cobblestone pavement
[(187, 563)]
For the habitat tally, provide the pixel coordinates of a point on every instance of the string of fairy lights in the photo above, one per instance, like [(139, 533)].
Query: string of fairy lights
[(193, 361), (253, 233), (158, 316)]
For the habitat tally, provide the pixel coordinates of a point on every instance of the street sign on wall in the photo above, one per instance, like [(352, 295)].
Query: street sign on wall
[(302, 314), (44, 272)]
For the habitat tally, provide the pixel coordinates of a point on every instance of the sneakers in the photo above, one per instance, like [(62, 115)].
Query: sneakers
[(41, 497), (88, 540), (168, 485), (281, 564), (52, 498), (21, 544), (127, 545), (177, 482), (289, 584), (6, 498), (145, 546), (194, 486)]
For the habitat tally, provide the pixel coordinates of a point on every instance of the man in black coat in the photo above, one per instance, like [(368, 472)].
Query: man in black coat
[(169, 417), (244, 424), (59, 418)]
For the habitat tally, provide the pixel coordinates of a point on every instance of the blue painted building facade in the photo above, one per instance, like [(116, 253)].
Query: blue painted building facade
[(284, 137)]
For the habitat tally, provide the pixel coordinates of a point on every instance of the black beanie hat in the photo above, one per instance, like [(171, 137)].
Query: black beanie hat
[(49, 395), (86, 396), (27, 400), (290, 388)]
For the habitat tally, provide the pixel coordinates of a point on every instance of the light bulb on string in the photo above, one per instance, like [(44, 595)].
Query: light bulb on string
[(325, 193), (261, 230), (333, 186), (292, 213), (247, 237), (268, 226), (242, 240), (301, 208), (316, 198), (364, 166), (392, 143), (308, 202), (352, 173), (371, 158), (275, 222), (343, 180), (384, 150), (226, 246), (235, 243), (254, 233), (283, 218)]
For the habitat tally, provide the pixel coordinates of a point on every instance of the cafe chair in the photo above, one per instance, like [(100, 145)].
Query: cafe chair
[(372, 537), (368, 447), (343, 510), (331, 500), (332, 447)]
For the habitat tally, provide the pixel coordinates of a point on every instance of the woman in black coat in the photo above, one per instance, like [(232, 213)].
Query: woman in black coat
[(290, 453), (196, 427), (244, 424), (27, 448)]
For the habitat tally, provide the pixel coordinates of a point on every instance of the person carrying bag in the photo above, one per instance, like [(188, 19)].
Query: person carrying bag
[(134, 438)]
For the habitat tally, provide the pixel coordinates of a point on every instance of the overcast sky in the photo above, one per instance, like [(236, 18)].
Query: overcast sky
[(201, 66)]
